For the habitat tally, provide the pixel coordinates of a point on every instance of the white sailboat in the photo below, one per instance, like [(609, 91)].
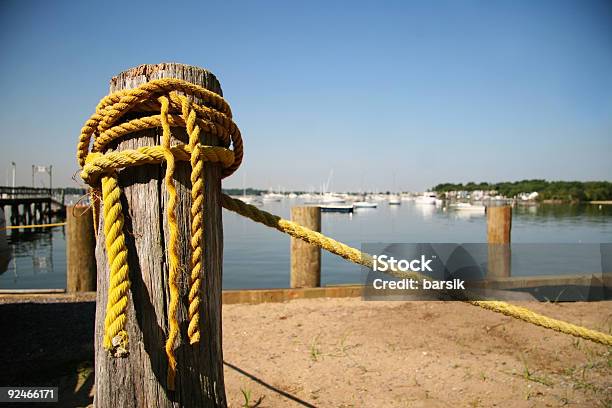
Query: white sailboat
[(249, 199), (394, 200), (468, 207), (428, 198), (330, 198), (271, 197)]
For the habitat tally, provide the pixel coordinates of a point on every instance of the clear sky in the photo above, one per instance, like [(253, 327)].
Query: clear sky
[(419, 92)]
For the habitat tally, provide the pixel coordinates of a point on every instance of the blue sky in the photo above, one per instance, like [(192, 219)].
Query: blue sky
[(419, 92)]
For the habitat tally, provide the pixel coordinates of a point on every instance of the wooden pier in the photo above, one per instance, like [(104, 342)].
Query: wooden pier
[(30, 205)]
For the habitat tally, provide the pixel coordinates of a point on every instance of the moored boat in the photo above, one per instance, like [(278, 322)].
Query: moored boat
[(427, 198), (468, 207), (272, 197), (394, 200), (341, 208), (331, 198), (364, 204)]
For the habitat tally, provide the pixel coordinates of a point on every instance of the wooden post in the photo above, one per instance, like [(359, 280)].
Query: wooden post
[(306, 258), (14, 214), (80, 250), (140, 379), (49, 210), (499, 225), (27, 214)]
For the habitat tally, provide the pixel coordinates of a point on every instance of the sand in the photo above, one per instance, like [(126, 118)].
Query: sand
[(351, 353)]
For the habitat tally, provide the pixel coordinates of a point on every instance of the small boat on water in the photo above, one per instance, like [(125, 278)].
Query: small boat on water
[(249, 199), (394, 200), (378, 197), (331, 198), (272, 197), (428, 198), (364, 204), (341, 208), (468, 207)]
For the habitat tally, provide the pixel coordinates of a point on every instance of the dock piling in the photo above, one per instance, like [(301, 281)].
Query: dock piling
[(142, 377), (306, 258), (80, 250), (499, 226)]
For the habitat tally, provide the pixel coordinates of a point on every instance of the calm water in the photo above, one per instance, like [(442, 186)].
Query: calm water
[(258, 257)]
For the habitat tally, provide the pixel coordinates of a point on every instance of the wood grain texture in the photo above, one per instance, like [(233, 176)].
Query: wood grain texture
[(80, 250), (140, 379), (499, 224), (499, 227), (306, 258)]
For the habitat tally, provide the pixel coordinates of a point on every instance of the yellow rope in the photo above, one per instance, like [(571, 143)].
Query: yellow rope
[(214, 117), (115, 335), (12, 227), (197, 205), (173, 255), (99, 166)]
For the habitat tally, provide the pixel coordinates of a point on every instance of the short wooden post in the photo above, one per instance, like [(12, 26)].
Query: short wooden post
[(306, 258), (140, 379), (499, 226), (80, 250)]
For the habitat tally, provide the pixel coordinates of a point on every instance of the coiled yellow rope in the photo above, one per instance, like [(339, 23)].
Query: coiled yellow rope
[(214, 116), (99, 167)]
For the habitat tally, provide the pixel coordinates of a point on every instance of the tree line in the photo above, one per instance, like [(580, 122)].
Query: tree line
[(547, 190)]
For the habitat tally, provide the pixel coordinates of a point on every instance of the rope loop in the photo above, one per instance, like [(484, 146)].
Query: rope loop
[(162, 103)]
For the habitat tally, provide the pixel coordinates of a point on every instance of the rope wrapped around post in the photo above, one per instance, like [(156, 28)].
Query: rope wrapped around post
[(99, 171), (170, 97)]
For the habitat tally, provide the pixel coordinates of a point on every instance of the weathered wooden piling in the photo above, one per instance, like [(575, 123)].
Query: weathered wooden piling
[(80, 250), (499, 226), (306, 258), (140, 379)]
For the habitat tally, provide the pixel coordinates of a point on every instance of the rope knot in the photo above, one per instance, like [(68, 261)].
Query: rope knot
[(162, 103)]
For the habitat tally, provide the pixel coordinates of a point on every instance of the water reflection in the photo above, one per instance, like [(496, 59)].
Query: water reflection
[(426, 210), (465, 215), (584, 212), (30, 260)]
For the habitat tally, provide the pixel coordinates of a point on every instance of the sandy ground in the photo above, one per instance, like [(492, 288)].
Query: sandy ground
[(351, 353)]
